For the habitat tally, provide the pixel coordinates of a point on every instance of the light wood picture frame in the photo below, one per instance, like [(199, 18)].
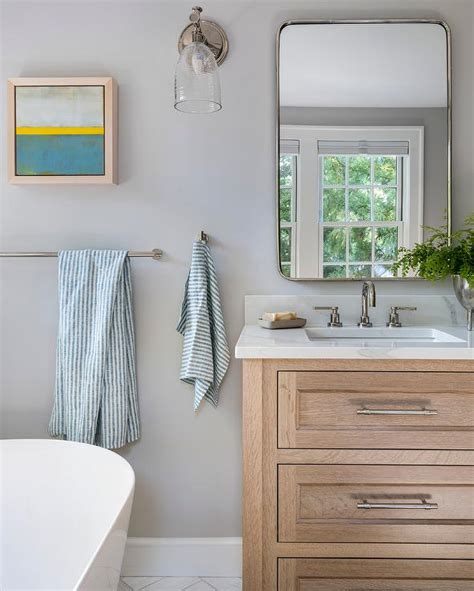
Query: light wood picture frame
[(62, 130)]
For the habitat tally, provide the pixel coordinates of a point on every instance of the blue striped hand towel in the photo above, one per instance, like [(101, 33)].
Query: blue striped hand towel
[(206, 355), (96, 396)]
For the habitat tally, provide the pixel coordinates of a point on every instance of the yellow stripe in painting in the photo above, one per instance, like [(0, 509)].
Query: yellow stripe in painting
[(60, 131)]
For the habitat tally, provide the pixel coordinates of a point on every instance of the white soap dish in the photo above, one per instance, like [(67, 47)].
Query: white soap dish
[(278, 324)]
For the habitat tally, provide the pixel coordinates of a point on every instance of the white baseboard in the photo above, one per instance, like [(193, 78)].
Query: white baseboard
[(171, 557)]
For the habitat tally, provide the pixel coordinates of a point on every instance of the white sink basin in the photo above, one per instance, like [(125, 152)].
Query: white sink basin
[(380, 336)]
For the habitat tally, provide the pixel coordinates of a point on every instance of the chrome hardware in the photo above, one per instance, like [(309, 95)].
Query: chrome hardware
[(208, 32), (423, 505), (394, 318), (400, 411), (368, 299), (335, 320), (195, 18), (155, 254)]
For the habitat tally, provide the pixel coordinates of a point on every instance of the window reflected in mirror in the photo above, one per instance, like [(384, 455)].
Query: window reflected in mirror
[(361, 137)]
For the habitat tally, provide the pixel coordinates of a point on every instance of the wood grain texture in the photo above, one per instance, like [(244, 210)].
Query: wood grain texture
[(252, 475), (439, 457), (319, 504), (379, 365), (367, 575), (370, 550), (270, 481), (446, 471), (111, 132), (387, 585), (319, 410)]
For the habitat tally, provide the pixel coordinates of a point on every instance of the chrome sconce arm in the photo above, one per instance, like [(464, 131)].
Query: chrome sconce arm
[(203, 46)]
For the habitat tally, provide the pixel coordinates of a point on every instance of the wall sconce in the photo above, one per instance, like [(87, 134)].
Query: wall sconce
[(203, 46)]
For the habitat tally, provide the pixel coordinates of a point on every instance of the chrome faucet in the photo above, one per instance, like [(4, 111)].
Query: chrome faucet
[(368, 299), (394, 318)]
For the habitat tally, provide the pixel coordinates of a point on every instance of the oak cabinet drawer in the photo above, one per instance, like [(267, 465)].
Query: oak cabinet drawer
[(297, 574), (372, 504), (375, 410)]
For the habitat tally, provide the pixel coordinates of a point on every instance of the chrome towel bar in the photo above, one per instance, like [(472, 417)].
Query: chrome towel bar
[(155, 254)]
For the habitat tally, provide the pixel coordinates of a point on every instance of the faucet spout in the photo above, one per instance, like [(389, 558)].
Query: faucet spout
[(369, 288), (368, 299)]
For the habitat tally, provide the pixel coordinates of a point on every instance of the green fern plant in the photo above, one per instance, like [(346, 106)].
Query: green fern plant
[(440, 256)]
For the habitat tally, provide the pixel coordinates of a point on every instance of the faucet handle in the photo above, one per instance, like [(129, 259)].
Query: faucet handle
[(335, 320), (394, 318)]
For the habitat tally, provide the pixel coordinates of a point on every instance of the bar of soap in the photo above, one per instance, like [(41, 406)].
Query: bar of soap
[(273, 316)]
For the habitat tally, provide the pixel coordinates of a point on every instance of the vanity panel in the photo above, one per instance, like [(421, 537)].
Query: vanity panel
[(374, 575), (376, 504), (443, 470), (382, 410)]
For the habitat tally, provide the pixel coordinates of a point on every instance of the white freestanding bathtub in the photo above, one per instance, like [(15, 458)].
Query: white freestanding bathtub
[(64, 513)]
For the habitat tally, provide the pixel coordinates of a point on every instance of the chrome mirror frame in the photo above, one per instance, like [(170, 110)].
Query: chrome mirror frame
[(449, 125)]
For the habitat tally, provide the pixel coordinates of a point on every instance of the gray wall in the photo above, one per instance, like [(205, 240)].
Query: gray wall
[(435, 146), (178, 173)]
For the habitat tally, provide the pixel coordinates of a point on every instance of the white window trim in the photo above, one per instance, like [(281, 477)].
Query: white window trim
[(307, 263), (292, 224)]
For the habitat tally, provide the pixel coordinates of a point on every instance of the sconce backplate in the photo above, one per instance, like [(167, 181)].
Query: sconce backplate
[(216, 39)]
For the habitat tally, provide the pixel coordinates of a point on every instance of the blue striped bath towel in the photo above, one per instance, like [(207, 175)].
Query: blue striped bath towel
[(96, 395), (206, 355)]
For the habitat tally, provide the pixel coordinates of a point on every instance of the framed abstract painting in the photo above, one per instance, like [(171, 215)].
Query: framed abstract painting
[(62, 130)]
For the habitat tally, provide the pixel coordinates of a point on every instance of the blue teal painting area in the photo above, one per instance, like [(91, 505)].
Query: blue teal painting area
[(72, 154)]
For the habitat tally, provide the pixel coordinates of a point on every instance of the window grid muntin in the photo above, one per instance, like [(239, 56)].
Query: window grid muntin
[(373, 224)]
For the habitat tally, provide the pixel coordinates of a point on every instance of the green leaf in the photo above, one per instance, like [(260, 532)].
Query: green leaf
[(334, 170), (334, 205), (359, 170), (334, 249), (440, 255)]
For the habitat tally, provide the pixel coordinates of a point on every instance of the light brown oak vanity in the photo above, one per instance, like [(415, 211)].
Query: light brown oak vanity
[(358, 433), (358, 474)]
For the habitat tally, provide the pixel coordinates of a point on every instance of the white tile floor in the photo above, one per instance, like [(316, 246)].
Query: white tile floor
[(180, 584)]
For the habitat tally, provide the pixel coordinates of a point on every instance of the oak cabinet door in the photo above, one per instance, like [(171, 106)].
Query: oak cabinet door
[(322, 574), (375, 410), (372, 504)]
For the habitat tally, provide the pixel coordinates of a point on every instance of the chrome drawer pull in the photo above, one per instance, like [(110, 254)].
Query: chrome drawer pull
[(401, 411), (422, 505)]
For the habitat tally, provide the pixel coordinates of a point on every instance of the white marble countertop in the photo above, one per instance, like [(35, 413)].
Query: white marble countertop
[(260, 343)]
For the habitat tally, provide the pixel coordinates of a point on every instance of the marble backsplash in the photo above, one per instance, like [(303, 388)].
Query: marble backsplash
[(432, 310)]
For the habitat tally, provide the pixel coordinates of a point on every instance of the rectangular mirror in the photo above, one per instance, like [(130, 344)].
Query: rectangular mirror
[(363, 143)]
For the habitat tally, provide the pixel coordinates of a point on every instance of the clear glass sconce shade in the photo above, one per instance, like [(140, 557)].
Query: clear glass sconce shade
[(197, 87)]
